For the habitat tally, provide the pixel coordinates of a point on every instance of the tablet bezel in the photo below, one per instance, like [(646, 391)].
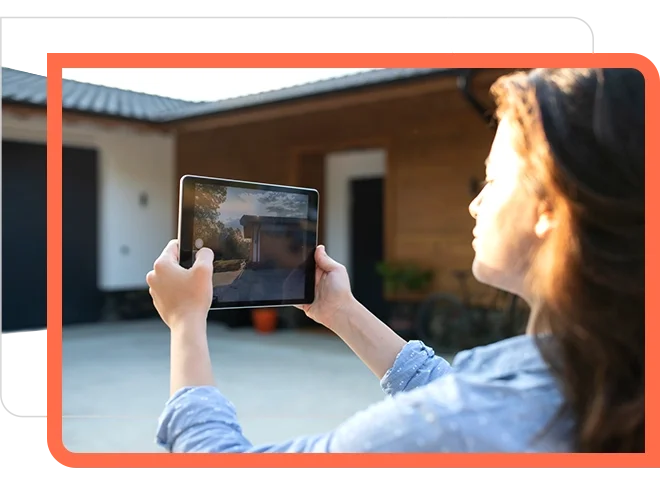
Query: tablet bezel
[(185, 232)]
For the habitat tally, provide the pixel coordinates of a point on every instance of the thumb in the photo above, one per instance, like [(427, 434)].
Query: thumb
[(204, 260), (324, 261), (171, 251)]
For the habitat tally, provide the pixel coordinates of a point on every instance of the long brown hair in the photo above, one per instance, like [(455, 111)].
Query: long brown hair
[(582, 134)]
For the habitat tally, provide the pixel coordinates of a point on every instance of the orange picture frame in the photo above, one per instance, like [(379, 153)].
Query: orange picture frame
[(56, 62)]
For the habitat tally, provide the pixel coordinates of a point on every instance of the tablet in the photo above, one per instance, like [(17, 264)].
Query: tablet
[(263, 238)]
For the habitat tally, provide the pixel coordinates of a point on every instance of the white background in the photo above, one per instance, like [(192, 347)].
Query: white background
[(494, 485)]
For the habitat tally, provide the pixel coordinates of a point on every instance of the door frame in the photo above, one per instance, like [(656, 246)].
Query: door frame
[(340, 169)]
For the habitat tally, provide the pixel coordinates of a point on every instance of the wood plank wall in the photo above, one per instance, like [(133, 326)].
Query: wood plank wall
[(436, 143)]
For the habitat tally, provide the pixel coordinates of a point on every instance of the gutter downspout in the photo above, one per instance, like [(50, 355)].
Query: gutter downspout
[(464, 84)]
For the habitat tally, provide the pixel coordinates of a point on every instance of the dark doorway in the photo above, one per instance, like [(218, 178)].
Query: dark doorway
[(367, 240), (24, 236)]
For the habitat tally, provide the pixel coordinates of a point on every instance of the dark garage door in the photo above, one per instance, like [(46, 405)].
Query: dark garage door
[(24, 236)]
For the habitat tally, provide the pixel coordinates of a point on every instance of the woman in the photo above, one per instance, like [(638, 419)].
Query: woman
[(559, 222)]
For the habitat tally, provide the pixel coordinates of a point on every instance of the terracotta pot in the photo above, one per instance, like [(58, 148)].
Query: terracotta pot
[(264, 320)]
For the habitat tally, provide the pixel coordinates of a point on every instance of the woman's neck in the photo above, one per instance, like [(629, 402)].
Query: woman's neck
[(538, 321)]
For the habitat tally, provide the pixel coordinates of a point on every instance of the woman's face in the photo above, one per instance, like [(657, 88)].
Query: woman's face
[(506, 218)]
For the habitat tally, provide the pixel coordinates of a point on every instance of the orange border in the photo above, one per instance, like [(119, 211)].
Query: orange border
[(54, 185)]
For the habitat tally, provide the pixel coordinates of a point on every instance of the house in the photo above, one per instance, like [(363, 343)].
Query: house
[(285, 239), (394, 153)]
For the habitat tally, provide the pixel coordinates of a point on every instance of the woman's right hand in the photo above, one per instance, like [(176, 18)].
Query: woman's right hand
[(332, 290)]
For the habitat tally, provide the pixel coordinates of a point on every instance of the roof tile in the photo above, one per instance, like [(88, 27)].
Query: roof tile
[(27, 88)]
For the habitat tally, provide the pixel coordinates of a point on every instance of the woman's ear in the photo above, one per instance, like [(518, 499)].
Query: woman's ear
[(546, 221)]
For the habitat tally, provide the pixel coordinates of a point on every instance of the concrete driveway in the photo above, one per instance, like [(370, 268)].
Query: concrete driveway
[(260, 284), (116, 381)]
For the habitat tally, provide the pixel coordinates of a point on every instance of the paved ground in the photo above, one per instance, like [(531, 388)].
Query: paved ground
[(116, 380), (259, 284), (225, 278)]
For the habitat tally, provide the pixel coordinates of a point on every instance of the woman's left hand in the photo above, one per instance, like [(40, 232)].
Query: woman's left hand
[(181, 295)]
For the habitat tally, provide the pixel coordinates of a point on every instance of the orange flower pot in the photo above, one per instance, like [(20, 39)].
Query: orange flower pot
[(264, 320)]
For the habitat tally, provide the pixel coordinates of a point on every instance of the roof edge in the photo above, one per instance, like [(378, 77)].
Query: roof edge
[(202, 109), (225, 106)]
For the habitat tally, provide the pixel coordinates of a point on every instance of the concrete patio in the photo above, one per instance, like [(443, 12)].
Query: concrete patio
[(116, 381)]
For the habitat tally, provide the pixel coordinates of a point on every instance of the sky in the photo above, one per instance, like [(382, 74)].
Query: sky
[(192, 84), (240, 202)]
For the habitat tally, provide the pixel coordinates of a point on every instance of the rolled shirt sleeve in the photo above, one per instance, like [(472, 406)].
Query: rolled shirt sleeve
[(415, 366)]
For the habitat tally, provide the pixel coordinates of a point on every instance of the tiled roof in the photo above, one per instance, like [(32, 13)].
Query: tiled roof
[(27, 88), (330, 85)]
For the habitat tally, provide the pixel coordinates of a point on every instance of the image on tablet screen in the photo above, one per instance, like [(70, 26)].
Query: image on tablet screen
[(261, 241)]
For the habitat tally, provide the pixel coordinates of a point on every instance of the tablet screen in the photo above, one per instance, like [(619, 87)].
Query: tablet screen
[(263, 238)]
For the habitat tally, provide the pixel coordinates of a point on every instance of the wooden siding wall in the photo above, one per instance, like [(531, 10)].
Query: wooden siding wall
[(436, 143)]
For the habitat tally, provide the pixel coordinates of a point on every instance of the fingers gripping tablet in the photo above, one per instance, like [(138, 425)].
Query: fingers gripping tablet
[(263, 238)]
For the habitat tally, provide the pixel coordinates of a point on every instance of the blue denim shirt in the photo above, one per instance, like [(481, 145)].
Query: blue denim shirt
[(495, 398)]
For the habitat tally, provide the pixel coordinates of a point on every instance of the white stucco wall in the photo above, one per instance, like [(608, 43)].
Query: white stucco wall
[(130, 162), (340, 169)]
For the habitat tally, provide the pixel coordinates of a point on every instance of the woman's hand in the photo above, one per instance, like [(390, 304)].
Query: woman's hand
[(335, 307), (181, 295), (332, 290)]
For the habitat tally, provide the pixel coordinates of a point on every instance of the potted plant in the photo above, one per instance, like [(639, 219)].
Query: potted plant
[(416, 279), (392, 277), (264, 320), (403, 283)]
